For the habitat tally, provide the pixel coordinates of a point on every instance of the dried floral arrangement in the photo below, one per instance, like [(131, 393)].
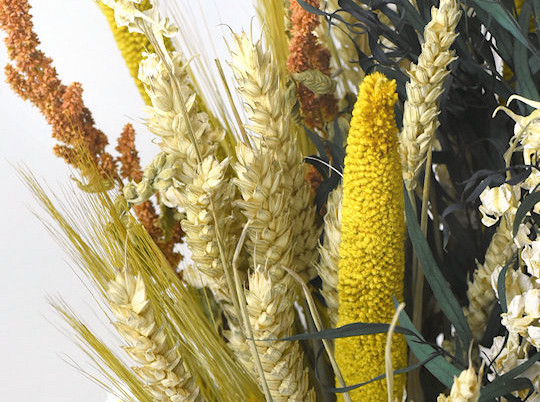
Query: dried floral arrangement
[(367, 232)]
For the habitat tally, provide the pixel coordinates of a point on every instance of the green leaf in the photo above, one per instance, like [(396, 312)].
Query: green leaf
[(437, 282), (501, 288), (308, 7), (507, 382), (488, 394), (505, 19), (526, 205), (354, 329), (525, 85), (438, 366)]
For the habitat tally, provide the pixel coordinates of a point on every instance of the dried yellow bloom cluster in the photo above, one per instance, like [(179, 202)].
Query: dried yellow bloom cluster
[(466, 387), (373, 231)]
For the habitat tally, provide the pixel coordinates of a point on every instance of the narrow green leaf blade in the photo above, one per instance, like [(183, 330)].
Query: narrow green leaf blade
[(504, 18), (526, 205), (438, 366), (437, 282)]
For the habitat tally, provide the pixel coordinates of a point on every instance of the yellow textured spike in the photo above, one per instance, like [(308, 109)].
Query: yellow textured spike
[(371, 265)]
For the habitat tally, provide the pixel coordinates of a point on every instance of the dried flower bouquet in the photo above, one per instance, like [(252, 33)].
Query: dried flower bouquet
[(365, 177)]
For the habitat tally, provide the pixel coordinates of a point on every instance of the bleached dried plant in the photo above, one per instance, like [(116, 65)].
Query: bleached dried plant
[(466, 387), (161, 367), (272, 317), (327, 267), (425, 87)]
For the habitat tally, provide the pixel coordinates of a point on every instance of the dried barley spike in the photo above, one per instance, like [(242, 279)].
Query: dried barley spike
[(272, 317), (161, 367), (424, 89)]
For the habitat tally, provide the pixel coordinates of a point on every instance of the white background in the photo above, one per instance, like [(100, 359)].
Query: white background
[(76, 36)]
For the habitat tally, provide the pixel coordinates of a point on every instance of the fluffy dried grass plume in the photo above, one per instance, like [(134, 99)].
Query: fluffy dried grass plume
[(161, 367), (425, 87)]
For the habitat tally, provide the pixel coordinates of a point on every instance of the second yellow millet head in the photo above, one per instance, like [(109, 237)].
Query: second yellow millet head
[(371, 265)]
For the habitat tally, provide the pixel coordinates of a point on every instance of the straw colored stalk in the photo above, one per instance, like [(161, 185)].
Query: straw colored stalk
[(271, 174), (327, 267), (161, 367), (371, 264), (272, 317), (425, 88), (212, 227)]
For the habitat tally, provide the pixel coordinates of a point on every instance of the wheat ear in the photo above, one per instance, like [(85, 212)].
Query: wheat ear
[(161, 367), (480, 290), (272, 317), (268, 106), (425, 87), (327, 267)]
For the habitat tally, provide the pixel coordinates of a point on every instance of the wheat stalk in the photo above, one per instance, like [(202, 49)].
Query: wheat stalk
[(272, 316), (161, 367), (284, 194), (424, 89), (327, 267), (480, 290)]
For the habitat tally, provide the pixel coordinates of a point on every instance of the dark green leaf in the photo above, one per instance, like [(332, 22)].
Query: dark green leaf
[(525, 85), (495, 10), (526, 206), (310, 8), (437, 282), (439, 366), (489, 393), (501, 289), (354, 329)]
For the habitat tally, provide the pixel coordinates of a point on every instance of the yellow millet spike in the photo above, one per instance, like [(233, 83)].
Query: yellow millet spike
[(132, 45), (371, 265)]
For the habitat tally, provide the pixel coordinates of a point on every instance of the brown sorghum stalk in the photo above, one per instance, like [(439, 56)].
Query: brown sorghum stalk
[(33, 77), (161, 367), (307, 54)]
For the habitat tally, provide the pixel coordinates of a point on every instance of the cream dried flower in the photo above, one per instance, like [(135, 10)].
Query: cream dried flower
[(498, 201), (425, 87), (161, 367), (466, 387)]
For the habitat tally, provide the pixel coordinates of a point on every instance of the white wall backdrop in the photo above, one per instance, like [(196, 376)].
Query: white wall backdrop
[(75, 35)]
